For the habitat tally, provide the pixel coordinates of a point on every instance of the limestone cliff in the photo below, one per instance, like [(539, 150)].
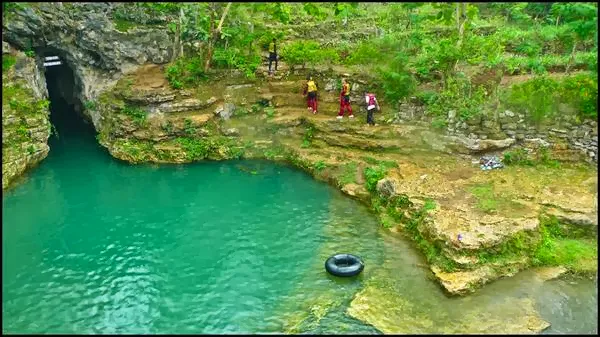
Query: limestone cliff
[(83, 35), (25, 115)]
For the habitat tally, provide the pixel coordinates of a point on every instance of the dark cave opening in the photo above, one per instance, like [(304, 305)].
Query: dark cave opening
[(66, 108)]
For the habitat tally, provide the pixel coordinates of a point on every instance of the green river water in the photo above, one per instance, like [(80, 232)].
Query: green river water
[(94, 245)]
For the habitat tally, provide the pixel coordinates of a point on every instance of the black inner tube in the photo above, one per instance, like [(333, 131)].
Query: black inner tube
[(344, 265)]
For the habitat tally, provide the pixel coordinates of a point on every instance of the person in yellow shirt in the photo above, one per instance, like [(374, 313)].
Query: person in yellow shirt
[(311, 92), (272, 55)]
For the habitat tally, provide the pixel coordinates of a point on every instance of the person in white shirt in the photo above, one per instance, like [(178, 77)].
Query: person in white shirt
[(372, 104)]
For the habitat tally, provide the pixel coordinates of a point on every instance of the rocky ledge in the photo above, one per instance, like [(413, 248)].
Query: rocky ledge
[(474, 226)]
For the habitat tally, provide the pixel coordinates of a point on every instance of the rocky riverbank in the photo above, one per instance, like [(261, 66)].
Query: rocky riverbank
[(474, 226)]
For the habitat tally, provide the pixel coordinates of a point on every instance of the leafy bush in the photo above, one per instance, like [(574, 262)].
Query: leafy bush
[(7, 62), (459, 95), (308, 53), (138, 114), (541, 95), (396, 81), (517, 157), (233, 58), (582, 92), (373, 175), (536, 97), (186, 72), (197, 148)]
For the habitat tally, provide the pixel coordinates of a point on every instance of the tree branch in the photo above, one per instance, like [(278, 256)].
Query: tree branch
[(223, 17)]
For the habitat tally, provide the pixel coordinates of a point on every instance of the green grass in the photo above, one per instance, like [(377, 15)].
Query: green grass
[(138, 114), (7, 62), (123, 25), (559, 247), (348, 173), (320, 165), (384, 163), (486, 199)]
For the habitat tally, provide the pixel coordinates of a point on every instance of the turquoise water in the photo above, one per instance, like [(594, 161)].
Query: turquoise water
[(94, 245)]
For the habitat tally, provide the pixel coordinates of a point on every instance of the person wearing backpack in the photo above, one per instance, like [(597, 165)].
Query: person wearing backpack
[(311, 91), (345, 100), (372, 104)]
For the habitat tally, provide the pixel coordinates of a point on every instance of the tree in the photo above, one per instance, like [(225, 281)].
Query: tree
[(215, 33), (581, 18)]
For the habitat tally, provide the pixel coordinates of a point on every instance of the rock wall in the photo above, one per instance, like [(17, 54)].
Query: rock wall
[(570, 138), (84, 36), (25, 114)]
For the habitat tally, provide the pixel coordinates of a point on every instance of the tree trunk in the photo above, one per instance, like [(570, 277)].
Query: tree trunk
[(572, 58), (177, 42), (214, 34), (181, 17), (461, 14)]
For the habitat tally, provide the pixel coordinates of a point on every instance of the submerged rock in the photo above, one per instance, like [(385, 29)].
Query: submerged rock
[(550, 273), (391, 312)]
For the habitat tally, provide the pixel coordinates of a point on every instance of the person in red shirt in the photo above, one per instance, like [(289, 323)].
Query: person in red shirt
[(345, 100)]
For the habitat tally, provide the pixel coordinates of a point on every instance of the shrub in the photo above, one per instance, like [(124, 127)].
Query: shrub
[(186, 72), (536, 96), (582, 91), (138, 114), (7, 62), (396, 81), (373, 175)]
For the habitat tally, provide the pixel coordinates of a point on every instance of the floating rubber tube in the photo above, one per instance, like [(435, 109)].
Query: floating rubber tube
[(344, 265)]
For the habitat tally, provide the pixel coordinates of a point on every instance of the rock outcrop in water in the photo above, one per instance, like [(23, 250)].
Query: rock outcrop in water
[(25, 114)]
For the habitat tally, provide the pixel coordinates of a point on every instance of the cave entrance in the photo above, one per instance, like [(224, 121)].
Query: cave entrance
[(65, 92)]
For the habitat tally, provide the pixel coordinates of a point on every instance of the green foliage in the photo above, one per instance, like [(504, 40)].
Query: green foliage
[(558, 249), (536, 96), (269, 112), (320, 165), (348, 173), (581, 91), (520, 157), (30, 53), (123, 25), (396, 81), (303, 53), (137, 114), (90, 105), (439, 123), (233, 58), (460, 96), (486, 200), (540, 96), (517, 157), (188, 127), (197, 148), (186, 72), (7, 62), (168, 127), (308, 136), (373, 175)]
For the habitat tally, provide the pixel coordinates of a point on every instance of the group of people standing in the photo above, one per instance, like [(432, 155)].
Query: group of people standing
[(310, 92)]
